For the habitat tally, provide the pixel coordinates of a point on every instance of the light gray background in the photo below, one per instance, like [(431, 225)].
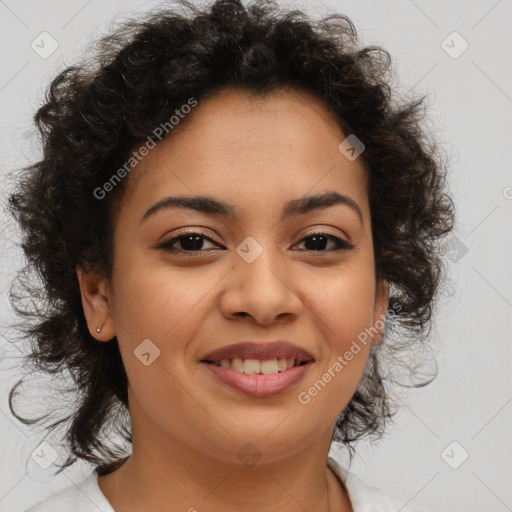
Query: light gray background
[(471, 110)]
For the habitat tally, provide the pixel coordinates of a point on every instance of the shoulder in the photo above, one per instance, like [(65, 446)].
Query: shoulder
[(366, 498), (84, 496)]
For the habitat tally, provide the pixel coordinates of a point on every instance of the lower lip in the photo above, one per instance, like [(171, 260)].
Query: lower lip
[(259, 385)]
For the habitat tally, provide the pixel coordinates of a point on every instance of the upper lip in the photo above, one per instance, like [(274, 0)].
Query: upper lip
[(259, 350)]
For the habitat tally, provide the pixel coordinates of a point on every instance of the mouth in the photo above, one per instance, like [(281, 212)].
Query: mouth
[(259, 369), (259, 358)]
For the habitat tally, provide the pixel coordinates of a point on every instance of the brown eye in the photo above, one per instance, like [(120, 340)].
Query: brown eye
[(194, 242), (188, 242), (317, 242)]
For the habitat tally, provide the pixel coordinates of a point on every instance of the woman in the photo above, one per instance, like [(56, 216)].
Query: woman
[(232, 220)]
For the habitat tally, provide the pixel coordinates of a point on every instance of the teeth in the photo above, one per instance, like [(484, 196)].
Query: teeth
[(237, 364), (269, 367), (251, 366), (255, 366), (282, 364)]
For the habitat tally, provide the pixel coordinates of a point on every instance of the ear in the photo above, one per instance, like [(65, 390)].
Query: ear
[(379, 313), (95, 293)]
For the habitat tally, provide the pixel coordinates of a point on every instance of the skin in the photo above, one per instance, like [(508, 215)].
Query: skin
[(255, 154)]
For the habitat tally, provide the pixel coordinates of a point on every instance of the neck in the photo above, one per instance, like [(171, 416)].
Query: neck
[(163, 471)]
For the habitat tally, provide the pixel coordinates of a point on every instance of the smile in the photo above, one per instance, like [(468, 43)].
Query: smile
[(262, 379)]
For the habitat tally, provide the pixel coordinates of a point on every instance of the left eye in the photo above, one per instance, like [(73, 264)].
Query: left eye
[(319, 240), (193, 242)]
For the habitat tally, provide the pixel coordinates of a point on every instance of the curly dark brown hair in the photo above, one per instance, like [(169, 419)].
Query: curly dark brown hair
[(95, 114)]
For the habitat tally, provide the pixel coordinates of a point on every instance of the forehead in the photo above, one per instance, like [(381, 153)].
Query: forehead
[(244, 146)]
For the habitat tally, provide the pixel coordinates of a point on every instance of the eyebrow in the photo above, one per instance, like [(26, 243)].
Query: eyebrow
[(210, 206)]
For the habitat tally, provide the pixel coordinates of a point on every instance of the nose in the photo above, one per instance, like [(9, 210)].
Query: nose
[(262, 290)]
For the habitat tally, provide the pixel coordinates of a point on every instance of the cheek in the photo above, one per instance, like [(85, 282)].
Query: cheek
[(344, 302), (153, 302), (347, 314), (168, 309), (343, 305)]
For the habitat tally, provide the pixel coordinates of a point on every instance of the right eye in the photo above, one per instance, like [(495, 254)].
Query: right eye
[(191, 241)]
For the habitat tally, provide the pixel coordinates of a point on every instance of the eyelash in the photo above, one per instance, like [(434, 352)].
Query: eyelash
[(340, 244)]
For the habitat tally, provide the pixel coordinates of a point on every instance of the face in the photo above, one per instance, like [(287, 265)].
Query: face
[(306, 277)]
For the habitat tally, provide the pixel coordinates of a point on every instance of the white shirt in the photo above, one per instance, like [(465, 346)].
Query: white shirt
[(86, 496)]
